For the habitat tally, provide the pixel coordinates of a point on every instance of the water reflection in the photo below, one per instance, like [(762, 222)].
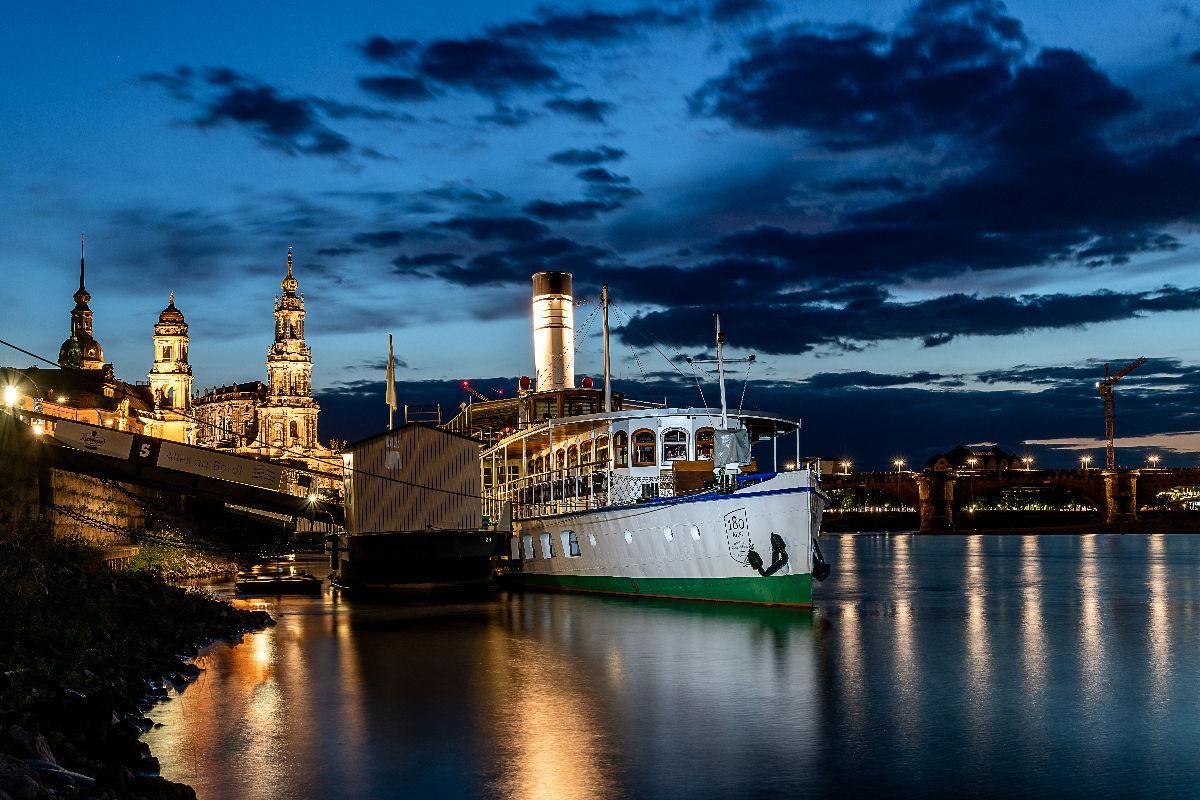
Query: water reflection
[(979, 667), (933, 666), (1091, 625), (1158, 631), (1033, 633)]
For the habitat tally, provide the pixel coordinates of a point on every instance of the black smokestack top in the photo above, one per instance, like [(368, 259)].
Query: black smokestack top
[(551, 283)]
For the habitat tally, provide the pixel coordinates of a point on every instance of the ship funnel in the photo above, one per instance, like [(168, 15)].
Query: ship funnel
[(553, 331)]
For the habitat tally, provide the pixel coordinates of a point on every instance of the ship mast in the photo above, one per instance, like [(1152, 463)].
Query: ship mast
[(721, 375), (607, 369)]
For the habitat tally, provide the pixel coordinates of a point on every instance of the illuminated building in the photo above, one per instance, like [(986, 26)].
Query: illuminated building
[(279, 419), (171, 379)]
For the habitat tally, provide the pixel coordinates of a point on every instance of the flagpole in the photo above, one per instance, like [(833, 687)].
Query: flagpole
[(390, 391)]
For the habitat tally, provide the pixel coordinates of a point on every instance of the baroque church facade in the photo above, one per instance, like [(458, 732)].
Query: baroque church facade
[(277, 419)]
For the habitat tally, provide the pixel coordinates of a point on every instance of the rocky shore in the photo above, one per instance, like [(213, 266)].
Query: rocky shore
[(84, 652)]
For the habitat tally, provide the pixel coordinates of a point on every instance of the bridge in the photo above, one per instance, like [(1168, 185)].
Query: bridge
[(946, 500), (90, 477)]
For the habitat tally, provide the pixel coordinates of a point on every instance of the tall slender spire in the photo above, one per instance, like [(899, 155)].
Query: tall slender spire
[(171, 298), (81, 262), (289, 283)]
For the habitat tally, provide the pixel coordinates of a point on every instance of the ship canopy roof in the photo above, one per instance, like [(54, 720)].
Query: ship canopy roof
[(761, 425)]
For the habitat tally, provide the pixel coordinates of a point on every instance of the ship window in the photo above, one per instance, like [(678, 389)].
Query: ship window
[(547, 546), (629, 537), (559, 459), (675, 445), (570, 543), (695, 533), (704, 444), (643, 448), (621, 449), (668, 535), (573, 456), (527, 541), (602, 451), (592, 539)]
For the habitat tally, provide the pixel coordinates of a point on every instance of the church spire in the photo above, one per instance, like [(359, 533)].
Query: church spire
[(289, 283), (81, 262), (171, 298)]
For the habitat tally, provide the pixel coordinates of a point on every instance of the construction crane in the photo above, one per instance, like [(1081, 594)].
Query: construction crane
[(1110, 418)]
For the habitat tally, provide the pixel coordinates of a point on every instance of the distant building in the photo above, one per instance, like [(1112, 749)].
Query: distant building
[(171, 379), (992, 459), (84, 388), (277, 420)]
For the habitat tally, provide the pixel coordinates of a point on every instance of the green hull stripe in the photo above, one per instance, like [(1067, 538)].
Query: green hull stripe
[(787, 590)]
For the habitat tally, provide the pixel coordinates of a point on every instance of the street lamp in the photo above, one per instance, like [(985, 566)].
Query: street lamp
[(972, 461), (1028, 462), (10, 396), (899, 462), (1153, 461), (1085, 460), (845, 467)]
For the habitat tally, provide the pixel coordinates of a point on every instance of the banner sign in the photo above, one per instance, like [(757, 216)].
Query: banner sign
[(169, 455), (199, 461), (94, 439)]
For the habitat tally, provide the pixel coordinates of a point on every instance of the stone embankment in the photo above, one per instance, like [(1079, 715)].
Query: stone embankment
[(86, 651)]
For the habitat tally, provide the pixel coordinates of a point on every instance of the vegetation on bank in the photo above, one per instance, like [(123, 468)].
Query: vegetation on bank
[(82, 647)]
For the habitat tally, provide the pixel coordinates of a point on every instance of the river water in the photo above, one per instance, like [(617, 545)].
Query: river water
[(933, 666)]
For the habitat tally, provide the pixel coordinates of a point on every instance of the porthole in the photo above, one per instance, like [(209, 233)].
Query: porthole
[(629, 537), (592, 539), (668, 535), (695, 533)]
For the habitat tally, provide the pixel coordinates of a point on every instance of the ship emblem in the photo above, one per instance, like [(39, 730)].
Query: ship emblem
[(737, 535)]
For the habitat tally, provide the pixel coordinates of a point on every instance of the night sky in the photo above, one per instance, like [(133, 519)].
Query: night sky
[(933, 223)]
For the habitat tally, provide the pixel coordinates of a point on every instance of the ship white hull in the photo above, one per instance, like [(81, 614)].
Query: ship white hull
[(693, 546)]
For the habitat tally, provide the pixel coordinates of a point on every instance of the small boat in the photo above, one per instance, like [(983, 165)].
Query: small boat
[(277, 583)]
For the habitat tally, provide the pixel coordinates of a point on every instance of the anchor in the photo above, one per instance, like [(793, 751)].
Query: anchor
[(779, 557)]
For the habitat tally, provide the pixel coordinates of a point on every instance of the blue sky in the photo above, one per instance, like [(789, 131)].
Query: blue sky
[(933, 222)]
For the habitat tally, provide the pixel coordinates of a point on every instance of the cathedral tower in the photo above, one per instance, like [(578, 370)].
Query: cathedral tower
[(171, 374), (288, 418), (171, 379), (81, 350)]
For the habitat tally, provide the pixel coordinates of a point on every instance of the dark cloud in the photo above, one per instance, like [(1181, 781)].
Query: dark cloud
[(514, 263), (893, 184), (291, 124), (387, 238), (512, 229), (486, 66), (601, 175), (419, 264), (796, 324), (396, 87), (942, 71), (385, 50), (569, 211), (875, 380), (339, 251), (592, 27), (507, 116), (587, 109), (740, 10), (581, 158)]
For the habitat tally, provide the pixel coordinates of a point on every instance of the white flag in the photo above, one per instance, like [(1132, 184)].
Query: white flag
[(390, 393)]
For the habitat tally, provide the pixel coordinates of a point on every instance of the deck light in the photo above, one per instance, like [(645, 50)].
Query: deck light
[(10, 395)]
